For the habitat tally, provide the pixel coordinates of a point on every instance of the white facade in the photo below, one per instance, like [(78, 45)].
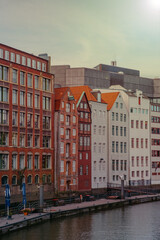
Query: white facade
[(118, 142), (99, 144), (155, 142), (139, 137)]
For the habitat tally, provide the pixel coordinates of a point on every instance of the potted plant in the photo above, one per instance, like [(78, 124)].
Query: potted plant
[(26, 211)]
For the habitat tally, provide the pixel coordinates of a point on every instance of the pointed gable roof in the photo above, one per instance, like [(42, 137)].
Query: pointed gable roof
[(77, 92), (59, 94), (110, 98)]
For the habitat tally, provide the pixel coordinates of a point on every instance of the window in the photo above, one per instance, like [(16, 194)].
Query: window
[(29, 140), (36, 82), (1, 53), (62, 131), (121, 105), (6, 55), (14, 76), (29, 99), (99, 148), (142, 161), (121, 147), (46, 141), (146, 143), (29, 179), (62, 166), (74, 148), (62, 147), (141, 142), (125, 131), (116, 104), (46, 84), (117, 165), (133, 174), (14, 180), (86, 169), (3, 116), (36, 101), (146, 125), (29, 161), (36, 140), (99, 130), (3, 94), (21, 161), (14, 161), (22, 140), (22, 78), (22, 119), (36, 121), (67, 120), (116, 116), (117, 147), (141, 124), (22, 102), (125, 147), (14, 139), (3, 73), (121, 165), (14, 118), (68, 107), (137, 142), (23, 60), (132, 161), (146, 161), (81, 170), (124, 117), (36, 162), (62, 182), (113, 146), (113, 165), (4, 164), (18, 58), (29, 120), (74, 132), (36, 179), (103, 130), (116, 130), (86, 115), (112, 130), (132, 142), (62, 104), (43, 67), (28, 62), (4, 138), (38, 65), (88, 141), (74, 166), (46, 161), (80, 156), (86, 156), (46, 103), (74, 119), (29, 80), (34, 64), (132, 123), (137, 124), (94, 148), (14, 96), (137, 161)]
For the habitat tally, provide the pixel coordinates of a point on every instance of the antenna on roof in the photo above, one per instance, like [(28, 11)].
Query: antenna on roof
[(114, 63)]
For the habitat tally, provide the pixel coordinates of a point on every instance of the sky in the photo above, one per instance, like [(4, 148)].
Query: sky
[(86, 33)]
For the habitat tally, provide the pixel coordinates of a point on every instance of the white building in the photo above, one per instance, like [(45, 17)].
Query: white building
[(99, 141), (117, 138)]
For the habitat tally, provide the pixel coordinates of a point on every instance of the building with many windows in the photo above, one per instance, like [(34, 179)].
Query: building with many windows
[(26, 118), (84, 138), (118, 153), (66, 139)]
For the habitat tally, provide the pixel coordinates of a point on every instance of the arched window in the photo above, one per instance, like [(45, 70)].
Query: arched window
[(44, 179), (4, 180), (36, 179), (49, 179), (14, 180), (29, 179)]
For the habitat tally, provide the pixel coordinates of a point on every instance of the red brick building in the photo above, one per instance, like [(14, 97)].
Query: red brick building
[(84, 138), (66, 138), (26, 118)]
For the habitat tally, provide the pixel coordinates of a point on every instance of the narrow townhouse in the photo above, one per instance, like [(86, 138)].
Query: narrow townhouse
[(117, 138), (84, 138), (66, 141)]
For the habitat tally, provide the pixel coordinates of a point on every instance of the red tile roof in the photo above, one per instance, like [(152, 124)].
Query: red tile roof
[(110, 98), (77, 92), (59, 92)]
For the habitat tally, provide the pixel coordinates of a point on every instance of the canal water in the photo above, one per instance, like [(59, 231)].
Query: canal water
[(135, 222)]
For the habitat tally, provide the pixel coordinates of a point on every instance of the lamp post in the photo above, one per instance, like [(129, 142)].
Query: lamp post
[(122, 186)]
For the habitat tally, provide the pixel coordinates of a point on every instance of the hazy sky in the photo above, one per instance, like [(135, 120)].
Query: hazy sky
[(86, 32)]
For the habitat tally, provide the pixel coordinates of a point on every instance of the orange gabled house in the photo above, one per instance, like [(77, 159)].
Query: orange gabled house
[(66, 139)]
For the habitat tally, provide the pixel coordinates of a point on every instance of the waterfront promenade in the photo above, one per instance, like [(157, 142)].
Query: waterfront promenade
[(20, 221)]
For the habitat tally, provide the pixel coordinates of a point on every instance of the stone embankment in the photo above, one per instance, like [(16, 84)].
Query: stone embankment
[(19, 221)]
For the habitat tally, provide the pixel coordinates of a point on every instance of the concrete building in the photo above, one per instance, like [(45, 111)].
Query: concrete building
[(117, 147), (103, 76), (66, 141), (26, 123)]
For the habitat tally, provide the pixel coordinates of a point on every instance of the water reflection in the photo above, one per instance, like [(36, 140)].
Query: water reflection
[(136, 222)]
